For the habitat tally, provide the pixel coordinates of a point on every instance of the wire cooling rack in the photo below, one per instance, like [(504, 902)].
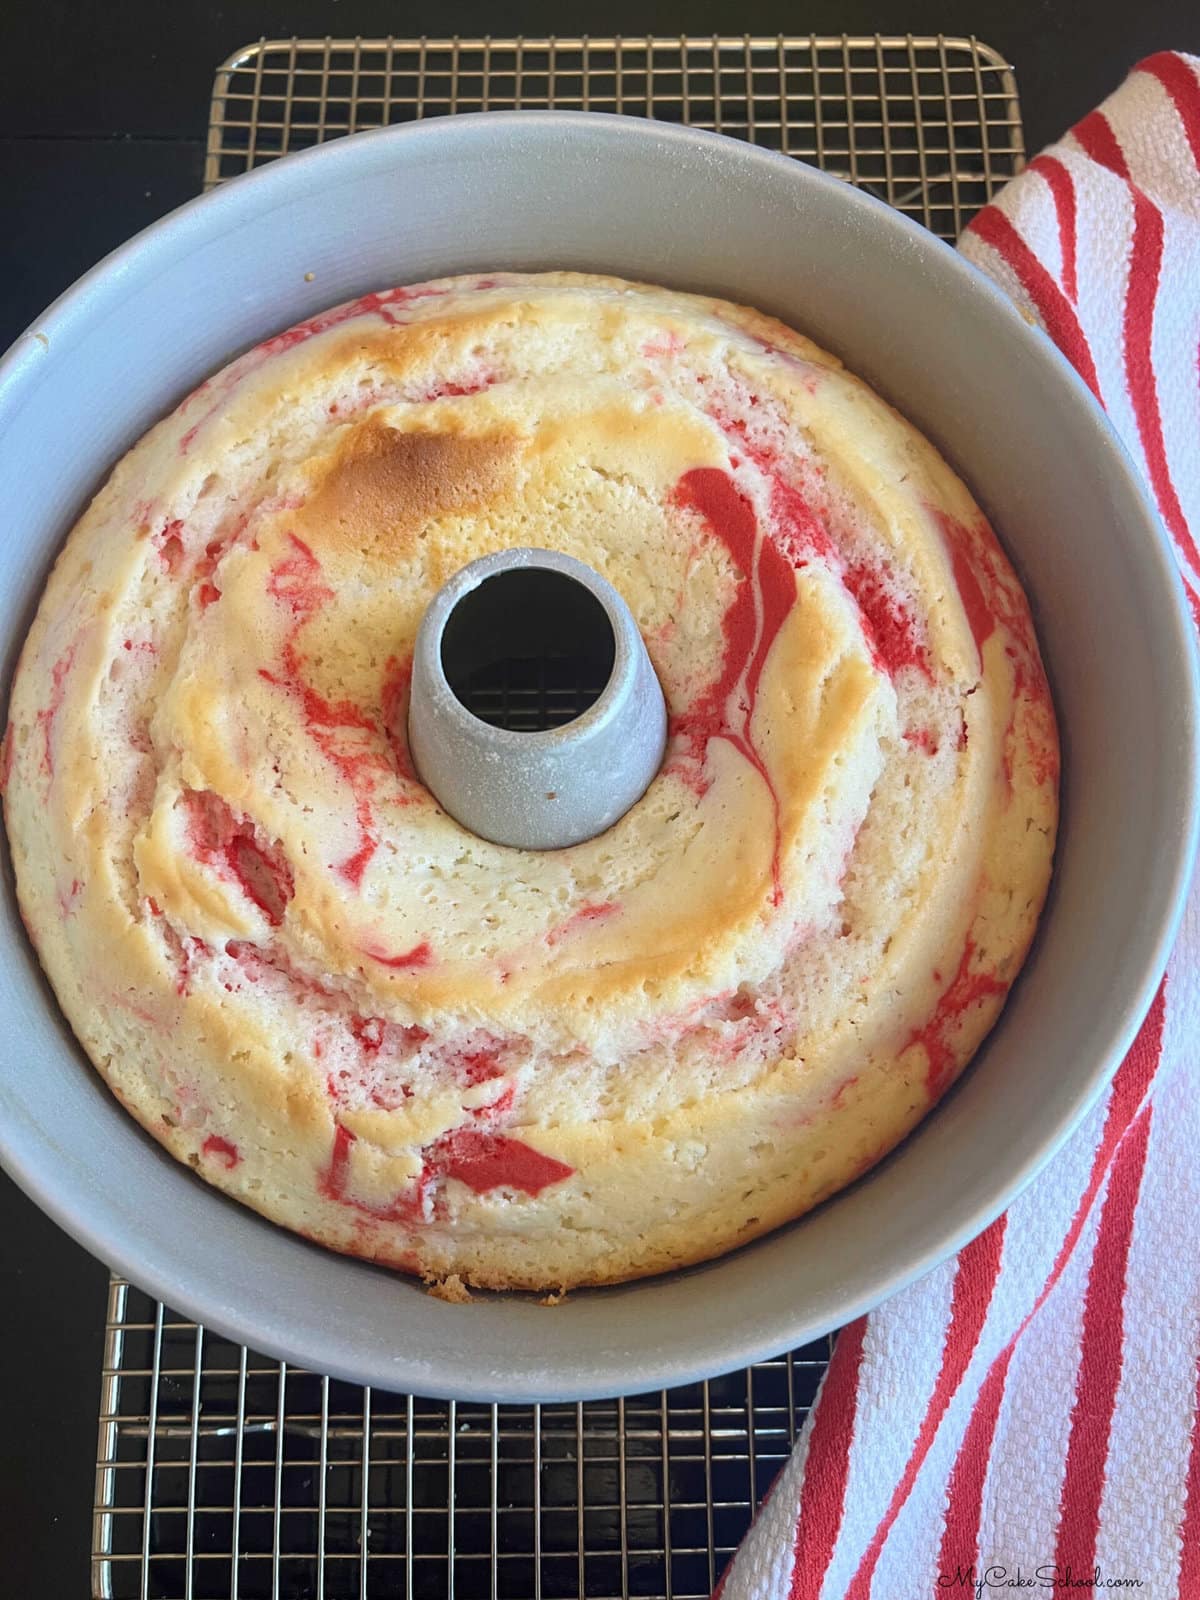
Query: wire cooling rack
[(932, 125), (225, 1475)]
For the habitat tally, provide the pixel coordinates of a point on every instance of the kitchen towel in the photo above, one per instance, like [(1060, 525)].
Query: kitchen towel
[(1025, 1417)]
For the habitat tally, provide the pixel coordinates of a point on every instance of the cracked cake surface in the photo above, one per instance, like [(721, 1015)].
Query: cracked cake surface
[(531, 1069)]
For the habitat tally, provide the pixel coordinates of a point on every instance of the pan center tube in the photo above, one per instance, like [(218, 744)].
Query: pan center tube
[(535, 719)]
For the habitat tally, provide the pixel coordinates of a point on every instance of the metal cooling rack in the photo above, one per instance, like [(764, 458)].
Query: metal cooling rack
[(530, 694), (225, 1475), (933, 125)]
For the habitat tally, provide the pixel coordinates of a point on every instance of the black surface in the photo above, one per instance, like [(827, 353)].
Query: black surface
[(102, 118)]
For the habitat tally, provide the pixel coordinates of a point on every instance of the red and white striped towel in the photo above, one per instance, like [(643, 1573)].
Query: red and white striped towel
[(1026, 1416)]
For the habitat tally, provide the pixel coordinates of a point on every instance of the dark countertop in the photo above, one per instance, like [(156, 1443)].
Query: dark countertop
[(102, 119)]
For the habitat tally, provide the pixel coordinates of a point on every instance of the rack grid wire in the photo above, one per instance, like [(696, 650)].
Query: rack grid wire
[(227, 1475), (931, 125)]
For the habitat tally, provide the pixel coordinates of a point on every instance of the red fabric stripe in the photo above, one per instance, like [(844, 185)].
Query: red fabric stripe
[(978, 1269), (1098, 140), (1101, 1356), (960, 1537), (1131, 1084), (1130, 1088), (1178, 79), (823, 1495), (1144, 269), (1062, 190), (827, 1467), (1095, 134), (1189, 1556), (1055, 310)]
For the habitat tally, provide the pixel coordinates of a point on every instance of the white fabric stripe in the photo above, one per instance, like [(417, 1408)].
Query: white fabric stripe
[(902, 1355), (989, 260), (1154, 144), (1155, 147), (1023, 1484), (909, 1560), (1033, 1237), (1105, 238), (763, 1564), (1146, 1473), (1034, 1234), (1039, 1218), (1104, 234), (1036, 1228), (1038, 1222), (1039, 220), (1175, 349), (1024, 1472)]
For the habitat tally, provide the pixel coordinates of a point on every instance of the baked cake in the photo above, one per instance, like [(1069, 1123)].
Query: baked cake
[(479, 1064)]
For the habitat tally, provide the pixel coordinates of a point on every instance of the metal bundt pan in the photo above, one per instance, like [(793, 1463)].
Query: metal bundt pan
[(694, 211)]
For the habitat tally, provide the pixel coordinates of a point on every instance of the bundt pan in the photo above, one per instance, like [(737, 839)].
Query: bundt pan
[(694, 211)]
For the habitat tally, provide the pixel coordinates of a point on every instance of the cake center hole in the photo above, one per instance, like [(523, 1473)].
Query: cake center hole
[(528, 649)]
